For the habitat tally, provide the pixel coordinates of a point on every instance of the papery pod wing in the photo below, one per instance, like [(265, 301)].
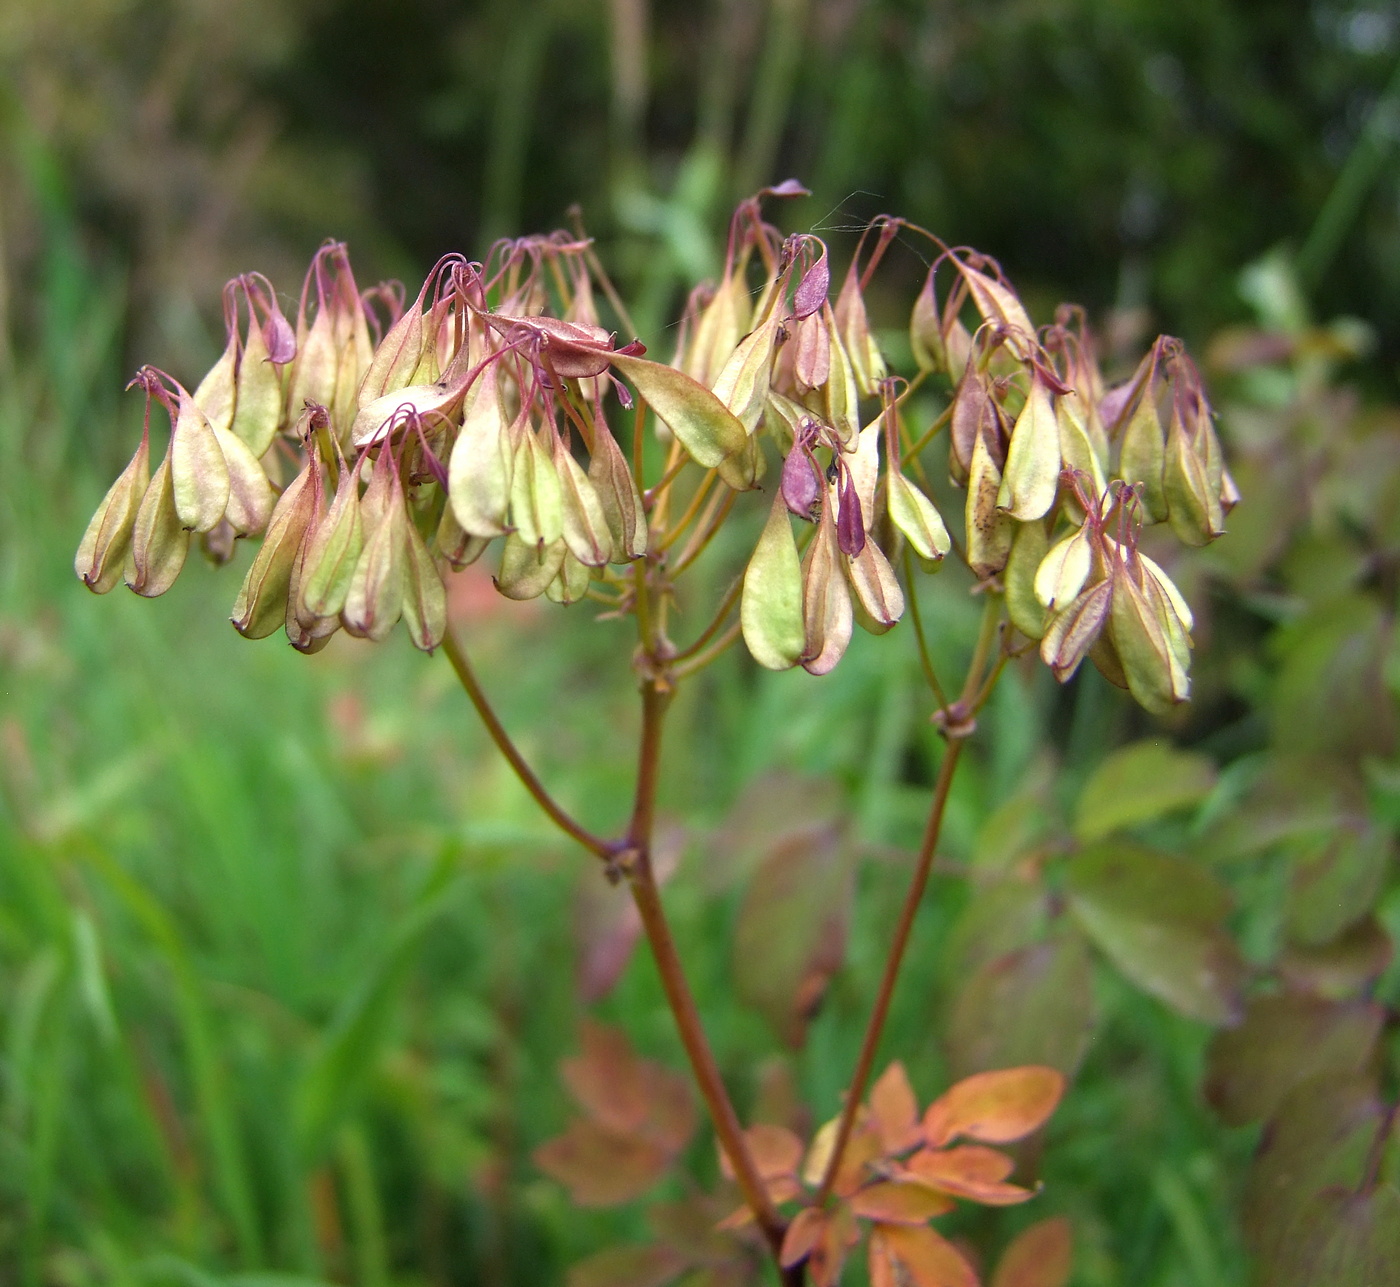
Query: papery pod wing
[(826, 599), (218, 390), (374, 421), (198, 473), (1143, 455), (159, 541), (527, 569), (972, 415), (459, 548), (915, 516), (1064, 569), (864, 464), (1175, 599), (707, 429), (621, 501), (396, 360), (1032, 473), (722, 323), (1080, 448), (1103, 652), (374, 599), (989, 529), (250, 495), (1193, 503), (572, 583), (481, 466), (853, 325), (261, 605), (334, 550), (744, 468), (313, 376), (425, 597), (1150, 662), (258, 409), (770, 610), (536, 500), (877, 589), (742, 384), (811, 352), (842, 396), (586, 530), (926, 331), (1071, 632), (103, 549), (995, 300), (1028, 549), (306, 631)]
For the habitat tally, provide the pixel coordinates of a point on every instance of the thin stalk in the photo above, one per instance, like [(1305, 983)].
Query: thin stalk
[(699, 660), (642, 880), (673, 469), (726, 605), (876, 1024), (931, 432), (704, 534), (561, 819), (691, 510), (925, 661)]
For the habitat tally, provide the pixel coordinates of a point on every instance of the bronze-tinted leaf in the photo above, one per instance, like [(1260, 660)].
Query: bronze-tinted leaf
[(1039, 1256), (628, 1267), (1336, 880), (1160, 921), (600, 1167), (1342, 968), (969, 1171), (892, 1202), (995, 1107), (926, 1258), (1283, 1041), (895, 1110)]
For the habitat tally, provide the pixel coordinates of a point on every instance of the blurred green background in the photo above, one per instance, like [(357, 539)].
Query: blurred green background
[(286, 958)]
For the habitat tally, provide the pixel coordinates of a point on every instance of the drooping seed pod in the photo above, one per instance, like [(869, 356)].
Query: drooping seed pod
[(705, 426), (375, 596), (1150, 642), (459, 548), (878, 593), (159, 541), (536, 500), (742, 384), (770, 609), (916, 518), (826, 599), (258, 407), (618, 494), (425, 597), (527, 568), (199, 474), (103, 549), (333, 550), (989, 529), (1032, 473), (1028, 549), (1064, 570), (250, 495), (842, 397), (216, 394), (1072, 631), (261, 605), (853, 326), (572, 582), (480, 468), (585, 524)]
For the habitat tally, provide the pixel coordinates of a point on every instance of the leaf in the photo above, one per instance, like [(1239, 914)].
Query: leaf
[(770, 610), (707, 429), (1341, 968), (601, 1167), (1159, 920), (1321, 1137), (791, 933), (969, 1171), (1343, 1240), (628, 1267), (900, 1203), (1039, 1256), (1031, 1006), (929, 1259), (895, 1110), (1284, 1040), (1139, 783), (995, 1107), (1337, 883)]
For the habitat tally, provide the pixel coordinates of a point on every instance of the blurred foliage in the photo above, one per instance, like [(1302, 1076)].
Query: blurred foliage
[(281, 942)]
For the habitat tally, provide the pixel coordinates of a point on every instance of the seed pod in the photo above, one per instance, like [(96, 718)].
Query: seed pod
[(1141, 458), (1079, 443), (375, 421), (618, 494), (770, 609), (989, 529), (314, 371), (333, 549), (707, 429), (217, 543), (1028, 550), (1178, 604), (261, 605), (571, 584), (745, 467), (159, 542), (850, 522), (802, 483), (217, 392), (877, 589), (536, 502), (103, 549), (811, 352), (826, 600), (1193, 502), (853, 326), (742, 384), (1032, 471), (307, 631), (1150, 661), (250, 496), (1071, 632), (528, 568), (842, 396), (995, 300), (1064, 570), (721, 324), (375, 597), (926, 331), (585, 525), (972, 414), (459, 548), (425, 597), (198, 473), (916, 518), (480, 468), (258, 409)]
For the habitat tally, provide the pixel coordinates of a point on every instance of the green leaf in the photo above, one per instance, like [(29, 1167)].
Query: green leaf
[(1336, 883), (1343, 967), (1159, 920), (707, 429), (1138, 783), (1343, 1240), (1284, 1040)]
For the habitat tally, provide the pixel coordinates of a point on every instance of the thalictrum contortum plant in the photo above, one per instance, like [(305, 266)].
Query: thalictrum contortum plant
[(378, 442)]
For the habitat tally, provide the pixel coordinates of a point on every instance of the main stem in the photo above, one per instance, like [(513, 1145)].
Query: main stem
[(642, 879)]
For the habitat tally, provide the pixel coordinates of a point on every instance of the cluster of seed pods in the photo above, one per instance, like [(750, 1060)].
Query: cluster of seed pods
[(378, 442)]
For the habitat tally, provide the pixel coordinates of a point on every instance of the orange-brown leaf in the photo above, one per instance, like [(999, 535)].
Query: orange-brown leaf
[(803, 1234), (968, 1171), (599, 1167), (1039, 1257), (929, 1259), (896, 1203), (627, 1267), (776, 1151), (996, 1107), (895, 1109)]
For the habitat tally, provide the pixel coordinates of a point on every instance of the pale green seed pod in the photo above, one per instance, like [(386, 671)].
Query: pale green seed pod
[(307, 632), (585, 524), (618, 494), (826, 598), (103, 549), (528, 568), (571, 584), (396, 359), (926, 332), (706, 427), (811, 352), (481, 466), (721, 325), (1071, 632), (198, 472), (1032, 473), (374, 599), (313, 376), (770, 609), (261, 605), (989, 529), (742, 384), (1143, 453), (218, 391), (1192, 499), (877, 591), (915, 516), (159, 541), (258, 409), (459, 548), (250, 495), (333, 550), (1028, 549), (842, 396), (1064, 570), (536, 499), (853, 325), (425, 596), (744, 468), (1082, 444), (1150, 661)]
